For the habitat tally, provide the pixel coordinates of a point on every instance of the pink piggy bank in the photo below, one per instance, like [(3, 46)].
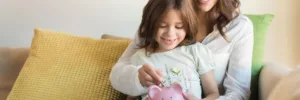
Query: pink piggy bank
[(174, 92)]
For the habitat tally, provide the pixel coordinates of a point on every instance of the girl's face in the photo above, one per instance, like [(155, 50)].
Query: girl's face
[(206, 5), (170, 32)]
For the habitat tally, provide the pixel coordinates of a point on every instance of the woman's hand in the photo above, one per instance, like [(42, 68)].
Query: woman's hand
[(149, 76), (189, 96)]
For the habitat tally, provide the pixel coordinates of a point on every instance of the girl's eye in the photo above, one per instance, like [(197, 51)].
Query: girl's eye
[(162, 25)]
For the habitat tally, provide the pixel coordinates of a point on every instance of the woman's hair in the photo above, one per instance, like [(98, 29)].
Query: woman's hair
[(222, 13), (154, 12)]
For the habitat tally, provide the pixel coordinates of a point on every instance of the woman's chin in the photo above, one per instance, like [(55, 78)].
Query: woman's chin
[(204, 9)]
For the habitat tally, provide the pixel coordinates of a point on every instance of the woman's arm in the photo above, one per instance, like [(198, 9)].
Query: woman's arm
[(238, 76), (209, 86), (124, 75)]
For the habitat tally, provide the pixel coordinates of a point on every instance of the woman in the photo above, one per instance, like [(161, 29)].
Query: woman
[(226, 32)]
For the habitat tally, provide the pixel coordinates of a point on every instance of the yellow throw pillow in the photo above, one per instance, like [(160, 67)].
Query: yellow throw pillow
[(65, 67)]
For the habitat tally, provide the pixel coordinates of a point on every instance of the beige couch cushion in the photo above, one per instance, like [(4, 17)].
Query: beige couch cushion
[(11, 62)]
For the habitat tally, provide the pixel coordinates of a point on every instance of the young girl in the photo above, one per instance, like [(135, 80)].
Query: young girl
[(219, 22), (167, 41)]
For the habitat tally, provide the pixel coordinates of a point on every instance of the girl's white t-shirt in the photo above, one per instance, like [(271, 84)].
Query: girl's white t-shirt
[(182, 65)]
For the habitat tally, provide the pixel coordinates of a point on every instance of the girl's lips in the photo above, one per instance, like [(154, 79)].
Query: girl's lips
[(168, 41)]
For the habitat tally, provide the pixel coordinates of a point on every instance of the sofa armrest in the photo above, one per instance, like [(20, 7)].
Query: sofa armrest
[(288, 88), (269, 77), (11, 62)]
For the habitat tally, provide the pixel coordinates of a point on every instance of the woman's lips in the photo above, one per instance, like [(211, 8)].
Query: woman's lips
[(204, 1)]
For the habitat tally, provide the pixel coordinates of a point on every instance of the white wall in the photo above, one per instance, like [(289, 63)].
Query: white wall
[(91, 18)]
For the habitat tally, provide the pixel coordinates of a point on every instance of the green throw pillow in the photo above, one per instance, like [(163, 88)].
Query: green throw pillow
[(260, 25)]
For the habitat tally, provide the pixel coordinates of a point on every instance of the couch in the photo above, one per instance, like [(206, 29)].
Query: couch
[(12, 60), (264, 75)]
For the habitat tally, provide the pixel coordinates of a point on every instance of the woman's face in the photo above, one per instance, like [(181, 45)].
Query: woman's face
[(206, 5)]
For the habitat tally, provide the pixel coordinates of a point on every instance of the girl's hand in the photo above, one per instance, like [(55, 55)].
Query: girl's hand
[(189, 96), (149, 76)]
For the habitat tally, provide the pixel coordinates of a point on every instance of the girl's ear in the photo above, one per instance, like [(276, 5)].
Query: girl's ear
[(153, 90)]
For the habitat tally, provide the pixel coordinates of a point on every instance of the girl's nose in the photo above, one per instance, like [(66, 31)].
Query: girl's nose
[(170, 32)]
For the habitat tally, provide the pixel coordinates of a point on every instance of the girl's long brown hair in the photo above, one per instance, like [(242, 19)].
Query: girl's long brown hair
[(154, 12)]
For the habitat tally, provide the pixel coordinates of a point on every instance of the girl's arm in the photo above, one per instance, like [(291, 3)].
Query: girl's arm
[(209, 86), (205, 67)]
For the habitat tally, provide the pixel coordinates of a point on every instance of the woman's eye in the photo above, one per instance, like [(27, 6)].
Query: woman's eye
[(179, 26)]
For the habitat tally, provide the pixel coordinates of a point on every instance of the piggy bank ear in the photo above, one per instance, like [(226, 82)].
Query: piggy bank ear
[(153, 90), (176, 87)]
